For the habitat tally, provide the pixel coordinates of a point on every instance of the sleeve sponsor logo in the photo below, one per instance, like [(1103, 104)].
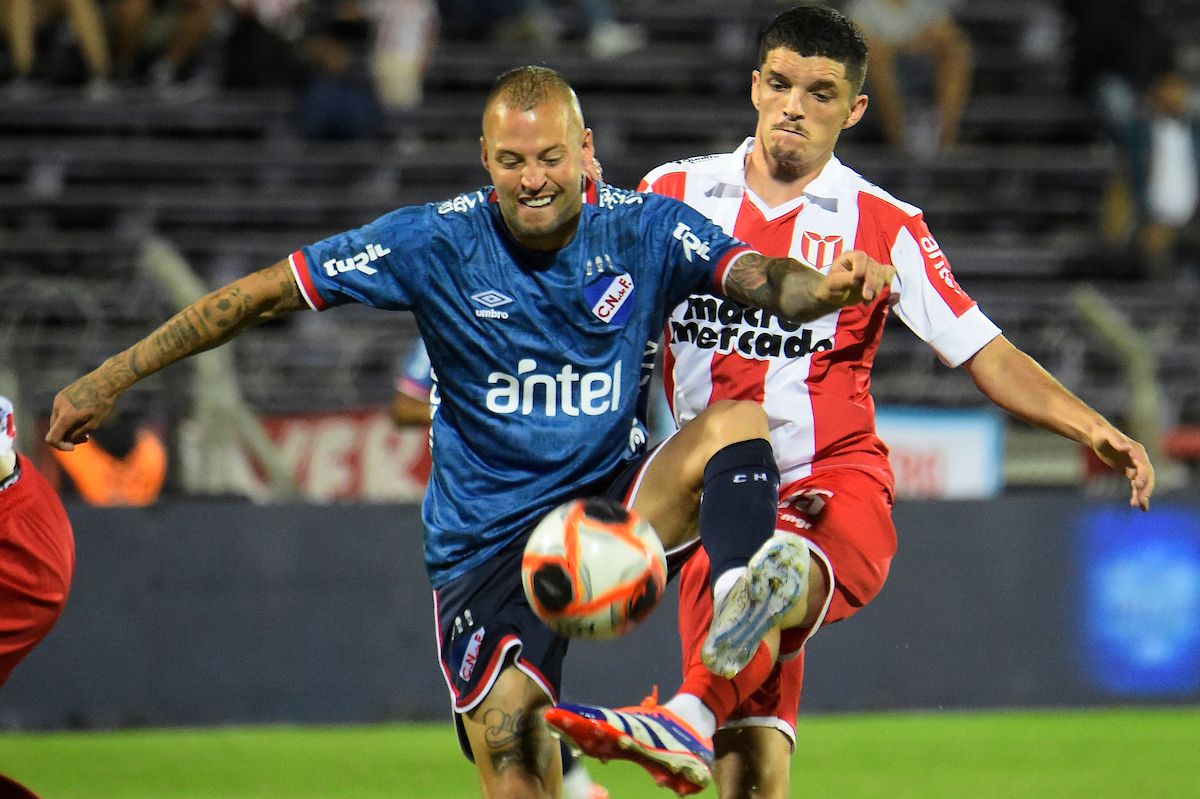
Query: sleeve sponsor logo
[(359, 262), (611, 197), (692, 245), (463, 202), (936, 263)]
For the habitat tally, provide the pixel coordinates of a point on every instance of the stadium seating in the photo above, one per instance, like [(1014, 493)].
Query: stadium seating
[(227, 179)]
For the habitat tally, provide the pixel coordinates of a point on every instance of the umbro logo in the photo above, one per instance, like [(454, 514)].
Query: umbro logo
[(491, 300)]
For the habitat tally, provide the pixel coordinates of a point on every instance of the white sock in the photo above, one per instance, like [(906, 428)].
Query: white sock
[(725, 582), (577, 783), (694, 712)]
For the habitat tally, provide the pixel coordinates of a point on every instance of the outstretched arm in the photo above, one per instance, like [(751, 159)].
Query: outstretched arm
[(208, 322), (1019, 385), (800, 294)]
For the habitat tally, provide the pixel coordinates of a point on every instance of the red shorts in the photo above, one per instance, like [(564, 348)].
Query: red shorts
[(846, 516), (37, 558)]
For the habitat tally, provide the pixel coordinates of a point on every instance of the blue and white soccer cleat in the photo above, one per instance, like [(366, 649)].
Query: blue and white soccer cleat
[(656, 739), (775, 581)]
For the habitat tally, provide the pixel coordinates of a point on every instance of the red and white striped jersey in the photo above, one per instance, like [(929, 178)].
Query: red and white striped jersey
[(813, 380)]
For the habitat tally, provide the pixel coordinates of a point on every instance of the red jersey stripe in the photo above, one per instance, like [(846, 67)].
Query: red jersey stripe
[(304, 279)]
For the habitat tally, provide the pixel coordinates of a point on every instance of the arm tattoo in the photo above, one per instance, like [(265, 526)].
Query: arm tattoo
[(749, 280), (780, 285), (207, 323)]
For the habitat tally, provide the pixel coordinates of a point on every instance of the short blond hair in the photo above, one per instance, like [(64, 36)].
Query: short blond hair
[(527, 87)]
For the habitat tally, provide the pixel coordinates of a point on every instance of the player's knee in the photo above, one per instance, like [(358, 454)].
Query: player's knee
[(729, 421), (808, 610)]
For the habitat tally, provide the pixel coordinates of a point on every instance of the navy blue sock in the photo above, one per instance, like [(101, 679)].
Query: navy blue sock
[(568, 758), (737, 509)]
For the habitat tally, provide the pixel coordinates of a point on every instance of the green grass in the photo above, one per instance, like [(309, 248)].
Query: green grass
[(1145, 754)]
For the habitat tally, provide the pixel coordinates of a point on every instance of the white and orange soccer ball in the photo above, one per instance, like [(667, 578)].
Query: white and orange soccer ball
[(593, 569)]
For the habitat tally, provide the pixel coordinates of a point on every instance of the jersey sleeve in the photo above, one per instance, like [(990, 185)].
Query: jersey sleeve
[(667, 180), (930, 301), (697, 253), (416, 377), (374, 265)]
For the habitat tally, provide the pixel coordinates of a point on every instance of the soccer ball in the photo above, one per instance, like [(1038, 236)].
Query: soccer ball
[(593, 569)]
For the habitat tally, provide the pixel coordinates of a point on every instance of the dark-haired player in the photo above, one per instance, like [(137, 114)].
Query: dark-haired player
[(784, 192)]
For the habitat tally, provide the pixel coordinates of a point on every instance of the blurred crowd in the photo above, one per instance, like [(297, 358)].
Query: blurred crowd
[(1124, 61), (354, 61), (366, 56)]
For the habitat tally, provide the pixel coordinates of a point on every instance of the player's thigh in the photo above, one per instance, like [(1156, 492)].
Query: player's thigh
[(514, 752), (846, 516), (669, 494), (752, 762), (26, 617)]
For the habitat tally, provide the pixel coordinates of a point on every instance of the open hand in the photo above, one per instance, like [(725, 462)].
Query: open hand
[(1127, 456)]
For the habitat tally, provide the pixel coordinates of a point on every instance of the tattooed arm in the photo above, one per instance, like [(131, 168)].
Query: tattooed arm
[(800, 294), (207, 323)]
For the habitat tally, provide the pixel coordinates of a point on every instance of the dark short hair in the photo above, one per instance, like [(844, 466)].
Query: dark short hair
[(819, 31), (526, 87)]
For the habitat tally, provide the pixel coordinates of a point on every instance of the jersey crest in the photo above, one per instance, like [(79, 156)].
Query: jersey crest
[(609, 298), (820, 251)]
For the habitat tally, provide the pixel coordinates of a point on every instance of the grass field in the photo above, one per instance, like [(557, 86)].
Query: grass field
[(1147, 754)]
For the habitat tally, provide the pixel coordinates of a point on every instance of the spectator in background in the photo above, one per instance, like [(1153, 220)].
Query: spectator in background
[(897, 29), (523, 21), (1124, 59), (37, 552), (1162, 146), (261, 50), (532, 22), (23, 19), (170, 34), (339, 100), (405, 36), (607, 38)]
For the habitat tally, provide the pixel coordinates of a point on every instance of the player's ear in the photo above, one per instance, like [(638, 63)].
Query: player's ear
[(589, 147), (857, 110), (755, 77), (483, 156)]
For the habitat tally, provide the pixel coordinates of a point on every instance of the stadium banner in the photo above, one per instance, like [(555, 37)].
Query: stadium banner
[(1138, 614), (332, 456), (218, 611), (359, 455), (943, 454)]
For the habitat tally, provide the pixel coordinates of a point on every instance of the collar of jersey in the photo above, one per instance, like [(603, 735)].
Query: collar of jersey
[(822, 191)]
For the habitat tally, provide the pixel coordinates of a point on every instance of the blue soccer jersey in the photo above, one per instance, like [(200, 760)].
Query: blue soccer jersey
[(541, 359)]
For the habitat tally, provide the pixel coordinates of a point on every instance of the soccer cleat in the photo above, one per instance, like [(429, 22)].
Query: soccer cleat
[(649, 735), (775, 581)]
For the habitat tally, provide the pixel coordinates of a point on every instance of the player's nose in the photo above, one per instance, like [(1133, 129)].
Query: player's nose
[(533, 177), (793, 106)]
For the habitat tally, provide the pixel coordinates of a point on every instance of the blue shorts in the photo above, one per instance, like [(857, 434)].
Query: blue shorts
[(484, 621)]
